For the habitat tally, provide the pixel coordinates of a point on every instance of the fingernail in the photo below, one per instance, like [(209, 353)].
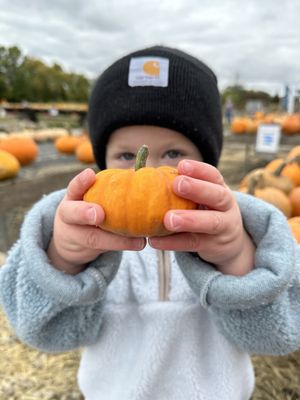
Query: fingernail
[(187, 167), (184, 186), (84, 176), (175, 221), (92, 215), (139, 244)]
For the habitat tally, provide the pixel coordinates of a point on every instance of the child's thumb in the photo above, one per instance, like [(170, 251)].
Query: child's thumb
[(80, 184)]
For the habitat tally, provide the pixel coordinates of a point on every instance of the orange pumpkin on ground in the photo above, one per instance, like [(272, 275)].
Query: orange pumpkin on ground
[(9, 165), (294, 197), (273, 196), (238, 125), (135, 201), (84, 152), (291, 124), (23, 148), (269, 194), (266, 178), (292, 171), (68, 144), (294, 224)]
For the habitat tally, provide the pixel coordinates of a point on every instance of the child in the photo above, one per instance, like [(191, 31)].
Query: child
[(176, 318)]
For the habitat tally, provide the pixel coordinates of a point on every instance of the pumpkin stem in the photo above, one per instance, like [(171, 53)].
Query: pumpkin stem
[(281, 166), (141, 157), (295, 159), (253, 183), (286, 162)]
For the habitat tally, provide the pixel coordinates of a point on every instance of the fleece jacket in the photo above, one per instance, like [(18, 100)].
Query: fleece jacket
[(194, 343)]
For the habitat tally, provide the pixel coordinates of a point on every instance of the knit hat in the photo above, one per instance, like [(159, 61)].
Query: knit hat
[(157, 86)]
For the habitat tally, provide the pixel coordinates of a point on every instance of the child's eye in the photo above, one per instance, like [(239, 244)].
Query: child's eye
[(173, 154), (127, 156)]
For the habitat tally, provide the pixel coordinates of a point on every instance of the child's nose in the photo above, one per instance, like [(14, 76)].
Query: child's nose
[(152, 162)]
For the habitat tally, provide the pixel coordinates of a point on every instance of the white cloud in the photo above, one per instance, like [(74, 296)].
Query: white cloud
[(256, 42)]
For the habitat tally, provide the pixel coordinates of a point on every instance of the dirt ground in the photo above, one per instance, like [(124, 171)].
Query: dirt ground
[(26, 374)]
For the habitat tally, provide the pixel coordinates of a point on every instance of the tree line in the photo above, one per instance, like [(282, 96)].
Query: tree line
[(24, 78)]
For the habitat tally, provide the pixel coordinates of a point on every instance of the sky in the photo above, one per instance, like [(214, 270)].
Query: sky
[(252, 43)]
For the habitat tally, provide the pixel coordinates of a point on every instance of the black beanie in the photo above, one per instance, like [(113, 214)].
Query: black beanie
[(157, 86)]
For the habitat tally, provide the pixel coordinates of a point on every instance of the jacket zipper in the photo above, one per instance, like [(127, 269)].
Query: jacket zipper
[(164, 274)]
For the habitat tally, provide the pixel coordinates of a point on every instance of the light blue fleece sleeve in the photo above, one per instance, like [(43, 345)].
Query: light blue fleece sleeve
[(49, 309), (258, 312)]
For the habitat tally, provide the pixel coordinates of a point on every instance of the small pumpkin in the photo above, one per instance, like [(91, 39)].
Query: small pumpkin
[(23, 148), (294, 224), (136, 200), (67, 144), (84, 152), (269, 194), (9, 165)]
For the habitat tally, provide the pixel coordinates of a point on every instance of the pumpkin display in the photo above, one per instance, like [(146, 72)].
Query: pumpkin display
[(266, 178), (84, 152), (294, 197), (67, 144), (269, 194), (23, 148), (136, 200), (294, 224), (9, 165), (291, 170)]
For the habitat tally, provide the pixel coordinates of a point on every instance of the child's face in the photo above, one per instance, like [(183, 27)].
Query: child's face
[(166, 147)]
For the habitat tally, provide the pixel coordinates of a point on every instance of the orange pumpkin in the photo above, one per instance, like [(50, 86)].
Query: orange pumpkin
[(294, 224), (251, 125), (84, 152), (292, 170), (291, 124), (135, 201), (67, 144), (238, 125), (9, 165), (274, 196), (294, 197), (269, 194), (23, 148)]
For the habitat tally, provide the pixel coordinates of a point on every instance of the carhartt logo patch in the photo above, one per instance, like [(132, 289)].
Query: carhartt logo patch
[(148, 71)]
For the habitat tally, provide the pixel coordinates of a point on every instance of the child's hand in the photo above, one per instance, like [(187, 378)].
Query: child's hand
[(215, 231), (76, 238)]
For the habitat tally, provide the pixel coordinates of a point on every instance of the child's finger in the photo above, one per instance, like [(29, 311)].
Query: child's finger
[(80, 183), (81, 213), (208, 222), (96, 238), (200, 170), (217, 197)]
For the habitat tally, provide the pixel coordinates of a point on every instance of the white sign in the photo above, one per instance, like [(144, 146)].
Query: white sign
[(268, 138)]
